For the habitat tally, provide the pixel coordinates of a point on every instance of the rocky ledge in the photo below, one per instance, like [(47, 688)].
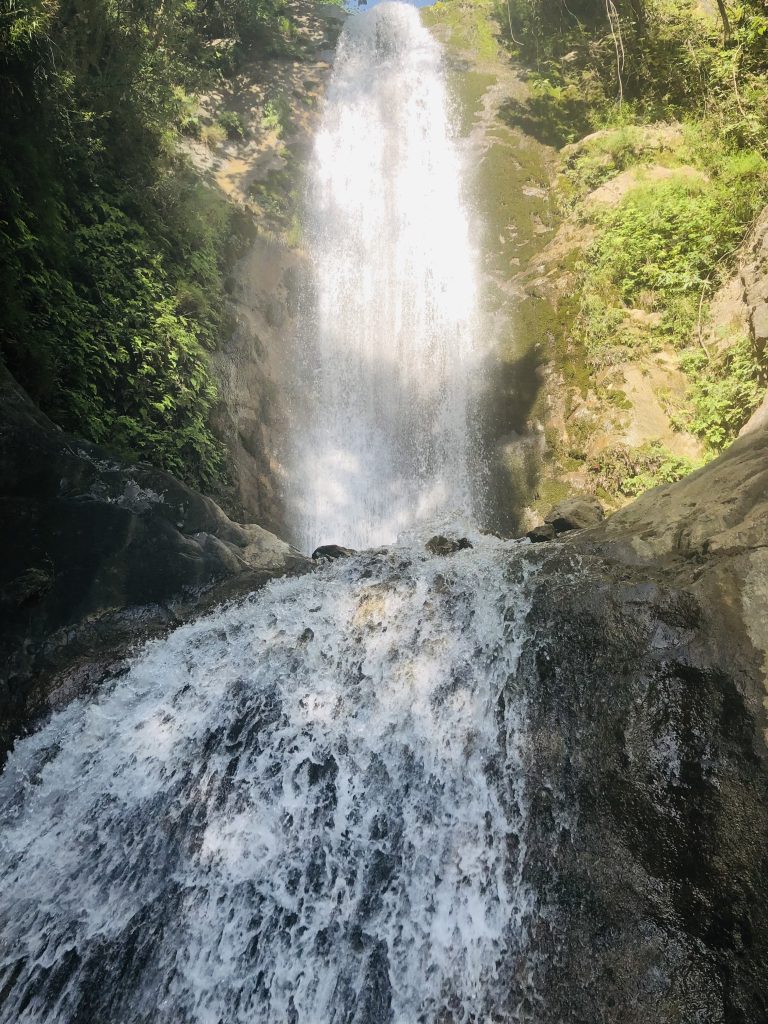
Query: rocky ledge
[(98, 555), (646, 676)]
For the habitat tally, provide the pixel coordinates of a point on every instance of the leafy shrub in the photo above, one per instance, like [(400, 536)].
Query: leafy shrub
[(623, 470), (725, 391), (604, 330), (233, 124), (663, 248)]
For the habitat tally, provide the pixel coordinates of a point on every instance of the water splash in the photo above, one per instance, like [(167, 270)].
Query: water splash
[(309, 807), (389, 345)]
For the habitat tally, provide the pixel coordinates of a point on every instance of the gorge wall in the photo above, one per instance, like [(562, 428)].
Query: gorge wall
[(261, 169)]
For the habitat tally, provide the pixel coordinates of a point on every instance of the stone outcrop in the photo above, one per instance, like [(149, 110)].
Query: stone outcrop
[(646, 679), (541, 534), (440, 545), (753, 273), (575, 514), (261, 169), (98, 554), (331, 552)]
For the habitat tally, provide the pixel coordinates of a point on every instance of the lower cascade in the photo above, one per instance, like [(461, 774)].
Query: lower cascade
[(309, 806)]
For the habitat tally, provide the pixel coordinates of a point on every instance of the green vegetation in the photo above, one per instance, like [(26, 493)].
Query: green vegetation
[(471, 25), (658, 257), (594, 63), (725, 391), (658, 83), (662, 249), (628, 472), (112, 252)]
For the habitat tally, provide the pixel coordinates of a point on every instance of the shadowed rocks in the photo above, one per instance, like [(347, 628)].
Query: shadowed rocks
[(98, 554), (443, 546)]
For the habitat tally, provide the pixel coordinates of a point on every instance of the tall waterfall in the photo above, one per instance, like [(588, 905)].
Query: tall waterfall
[(309, 807), (388, 339)]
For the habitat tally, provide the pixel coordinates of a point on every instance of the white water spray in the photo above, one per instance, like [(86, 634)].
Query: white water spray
[(389, 341), (306, 808)]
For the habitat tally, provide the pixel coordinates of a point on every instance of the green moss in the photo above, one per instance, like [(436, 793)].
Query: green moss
[(470, 25), (550, 492), (467, 89), (513, 193)]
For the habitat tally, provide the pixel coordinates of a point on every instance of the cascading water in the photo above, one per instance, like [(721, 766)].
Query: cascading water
[(307, 807), (388, 341)]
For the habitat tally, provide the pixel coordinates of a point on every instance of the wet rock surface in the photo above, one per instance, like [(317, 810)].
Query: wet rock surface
[(541, 534), (330, 552), (575, 514), (646, 680), (440, 545), (628, 743), (99, 554)]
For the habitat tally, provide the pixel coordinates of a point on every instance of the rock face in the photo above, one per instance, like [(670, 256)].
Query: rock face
[(98, 554), (754, 280), (646, 681), (331, 552), (575, 514), (251, 415), (541, 534), (261, 170), (444, 546)]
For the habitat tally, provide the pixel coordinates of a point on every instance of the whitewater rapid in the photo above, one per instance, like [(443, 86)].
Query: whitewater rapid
[(387, 362), (309, 806)]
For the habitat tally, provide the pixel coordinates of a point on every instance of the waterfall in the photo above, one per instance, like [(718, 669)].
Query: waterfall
[(308, 807), (387, 347)]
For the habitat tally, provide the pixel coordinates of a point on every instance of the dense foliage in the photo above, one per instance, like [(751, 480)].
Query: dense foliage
[(111, 250), (656, 58)]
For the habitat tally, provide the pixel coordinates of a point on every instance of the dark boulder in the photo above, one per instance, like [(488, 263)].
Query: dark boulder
[(330, 552), (645, 678), (444, 546), (575, 514), (541, 534)]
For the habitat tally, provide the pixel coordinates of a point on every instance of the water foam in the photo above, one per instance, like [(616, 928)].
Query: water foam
[(306, 807)]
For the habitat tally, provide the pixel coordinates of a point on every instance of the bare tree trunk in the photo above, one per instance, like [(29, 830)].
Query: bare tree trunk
[(725, 20)]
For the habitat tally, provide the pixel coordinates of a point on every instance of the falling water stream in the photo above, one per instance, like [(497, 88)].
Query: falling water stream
[(310, 806), (388, 343)]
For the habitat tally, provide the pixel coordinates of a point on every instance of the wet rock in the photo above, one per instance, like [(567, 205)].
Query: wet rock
[(443, 546), (27, 587), (541, 534), (646, 684), (331, 552), (575, 514)]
